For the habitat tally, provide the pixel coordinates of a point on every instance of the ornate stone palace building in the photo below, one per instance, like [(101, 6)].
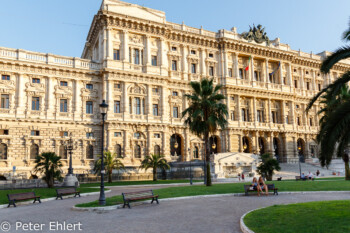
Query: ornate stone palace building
[(142, 65)]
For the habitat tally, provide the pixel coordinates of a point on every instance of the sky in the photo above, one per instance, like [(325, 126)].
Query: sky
[(61, 26)]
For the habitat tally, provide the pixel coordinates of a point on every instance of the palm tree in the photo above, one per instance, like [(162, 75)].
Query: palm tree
[(111, 162), (334, 134), (49, 164), (205, 114), (154, 161)]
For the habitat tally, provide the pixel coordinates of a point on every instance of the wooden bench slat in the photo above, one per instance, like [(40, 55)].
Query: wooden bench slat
[(139, 195), (67, 191), (13, 197)]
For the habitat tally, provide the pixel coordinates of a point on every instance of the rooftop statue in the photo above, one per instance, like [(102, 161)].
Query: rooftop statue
[(257, 34)]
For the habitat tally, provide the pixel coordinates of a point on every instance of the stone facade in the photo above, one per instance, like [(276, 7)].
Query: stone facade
[(142, 65)]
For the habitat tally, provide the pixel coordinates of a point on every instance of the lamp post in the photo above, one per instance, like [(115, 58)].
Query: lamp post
[(244, 147), (70, 179), (189, 153), (299, 151), (103, 110)]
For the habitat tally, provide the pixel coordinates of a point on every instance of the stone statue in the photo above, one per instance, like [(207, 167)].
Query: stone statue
[(257, 34)]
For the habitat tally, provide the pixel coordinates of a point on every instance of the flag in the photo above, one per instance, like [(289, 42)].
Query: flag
[(247, 67)]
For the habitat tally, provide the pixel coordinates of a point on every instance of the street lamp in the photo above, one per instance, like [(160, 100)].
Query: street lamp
[(103, 110), (70, 179), (299, 151), (189, 153), (244, 147)]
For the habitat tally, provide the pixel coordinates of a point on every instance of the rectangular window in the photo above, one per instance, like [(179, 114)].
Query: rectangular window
[(35, 103), (137, 135), (90, 135), (174, 65), (137, 106), (319, 87), (155, 109), (175, 93), (211, 70), (116, 85), (307, 85), (296, 83), (311, 122), (175, 112), (211, 55), (63, 105), (154, 60), (284, 80), (35, 133), (89, 107), (274, 117), (157, 135), (117, 106), (89, 86), (232, 115), (255, 75), (5, 103), (173, 49), (136, 56), (64, 134), (63, 84), (298, 121), (230, 72), (117, 134), (287, 120), (241, 73), (5, 77), (193, 52), (156, 90), (35, 80), (245, 114), (193, 68), (4, 132), (260, 115), (116, 54)]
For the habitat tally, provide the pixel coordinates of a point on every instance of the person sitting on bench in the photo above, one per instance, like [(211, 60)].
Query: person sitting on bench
[(262, 185), (256, 186), (302, 176), (310, 176)]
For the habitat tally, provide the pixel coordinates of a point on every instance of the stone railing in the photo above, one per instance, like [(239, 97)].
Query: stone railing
[(46, 58)]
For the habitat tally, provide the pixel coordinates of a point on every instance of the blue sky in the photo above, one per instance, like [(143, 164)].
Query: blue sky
[(61, 26)]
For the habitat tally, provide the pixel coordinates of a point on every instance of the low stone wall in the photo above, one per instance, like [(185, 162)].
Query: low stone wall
[(22, 184)]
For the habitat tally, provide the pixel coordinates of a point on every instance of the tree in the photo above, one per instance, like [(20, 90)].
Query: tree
[(154, 161), (334, 134), (205, 114), (49, 164), (267, 166), (111, 162)]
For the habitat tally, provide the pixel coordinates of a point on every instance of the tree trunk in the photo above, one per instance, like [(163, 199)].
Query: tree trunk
[(207, 159), (346, 163), (154, 174), (110, 176)]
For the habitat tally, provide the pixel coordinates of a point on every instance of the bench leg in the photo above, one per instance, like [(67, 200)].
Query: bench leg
[(61, 197), (157, 200), (152, 200), (11, 203), (39, 200), (57, 197)]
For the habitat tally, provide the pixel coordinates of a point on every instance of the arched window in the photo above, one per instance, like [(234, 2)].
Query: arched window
[(34, 151), (90, 152), (137, 151), (3, 151), (196, 152), (118, 150), (157, 150), (63, 152)]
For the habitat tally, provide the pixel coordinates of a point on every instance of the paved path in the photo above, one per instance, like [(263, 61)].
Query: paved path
[(210, 214)]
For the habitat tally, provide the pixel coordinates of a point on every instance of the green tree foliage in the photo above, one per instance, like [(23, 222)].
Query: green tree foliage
[(267, 166), (154, 161), (111, 162), (205, 114), (49, 164), (334, 134)]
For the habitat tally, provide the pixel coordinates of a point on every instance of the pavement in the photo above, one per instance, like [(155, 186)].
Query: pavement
[(200, 214)]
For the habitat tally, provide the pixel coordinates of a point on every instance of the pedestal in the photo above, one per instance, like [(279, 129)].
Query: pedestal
[(70, 180)]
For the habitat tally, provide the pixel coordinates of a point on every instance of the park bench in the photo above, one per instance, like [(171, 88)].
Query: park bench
[(21, 197), (270, 187), (140, 195), (306, 178), (67, 191)]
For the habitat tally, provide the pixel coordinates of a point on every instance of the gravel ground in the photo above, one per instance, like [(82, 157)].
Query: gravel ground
[(202, 214)]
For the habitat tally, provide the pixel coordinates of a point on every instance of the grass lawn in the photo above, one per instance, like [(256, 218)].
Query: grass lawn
[(321, 216), (42, 192), (140, 182), (335, 185)]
